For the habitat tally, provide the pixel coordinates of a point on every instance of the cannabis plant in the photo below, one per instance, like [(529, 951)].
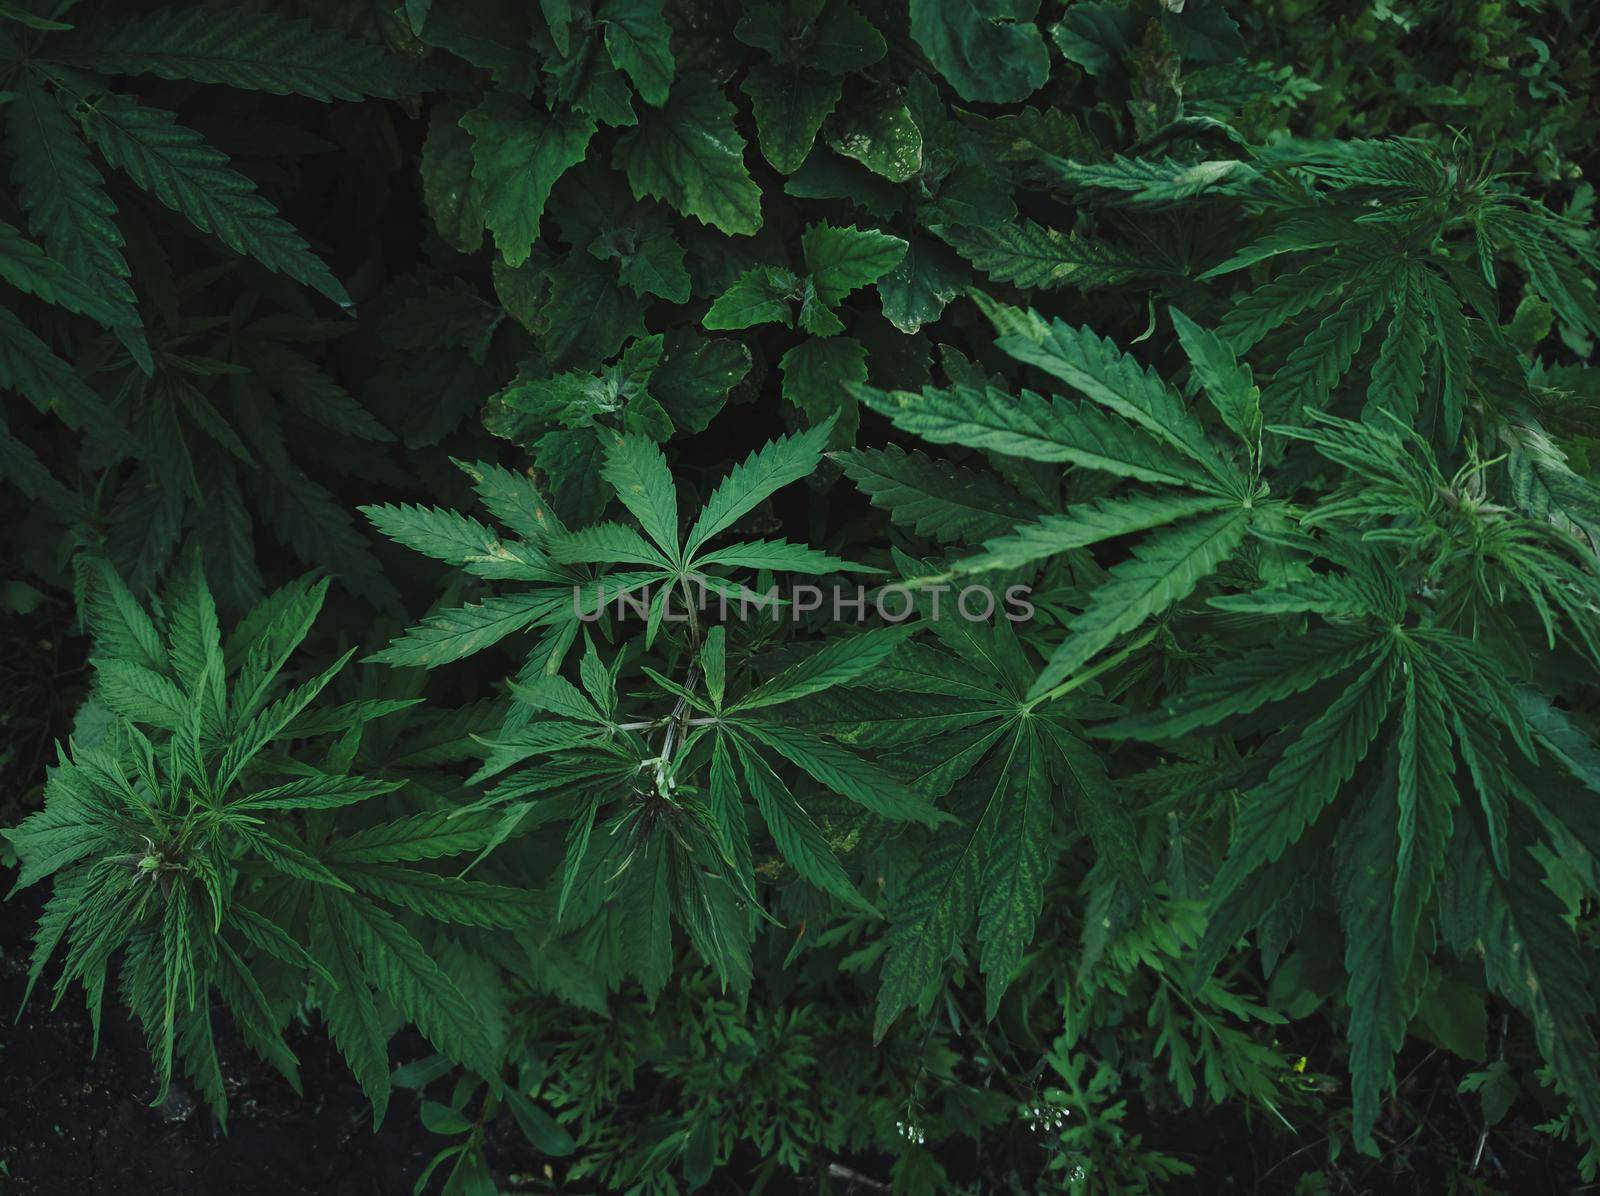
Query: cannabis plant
[(192, 845), (929, 596)]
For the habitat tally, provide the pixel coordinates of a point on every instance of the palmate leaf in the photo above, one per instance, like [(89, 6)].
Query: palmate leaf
[(1157, 182), (637, 471), (175, 165), (610, 543), (239, 47), (1027, 254), (64, 195), (932, 497), (29, 368), (1246, 683), (935, 907), (836, 663), (449, 635), (450, 899), (845, 773), (1309, 774), (1312, 369), (778, 555), (759, 476), (1096, 805), (1273, 304), (1106, 375), (1228, 383), (1396, 383), (1165, 568), (1426, 798), (443, 535), (1379, 1008), (347, 1005), (1036, 428), (796, 835), (25, 266), (992, 864), (1083, 525), (1017, 858), (122, 629), (399, 965)]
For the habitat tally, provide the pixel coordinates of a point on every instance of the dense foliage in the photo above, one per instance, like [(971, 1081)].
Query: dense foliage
[(511, 350)]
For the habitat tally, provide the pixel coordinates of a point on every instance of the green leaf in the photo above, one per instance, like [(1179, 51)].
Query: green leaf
[(695, 375), (637, 471), (798, 839), (1426, 798), (1035, 428), (1396, 382), (916, 291), (932, 497), (761, 474), (29, 368), (64, 194), (238, 47), (1083, 525), (1313, 368), (689, 155), (1531, 957), (1030, 255), (1308, 775), (882, 135), (1228, 383), (817, 376), (1165, 568), (790, 102), (989, 50), (1246, 683), (841, 260), (651, 264), (777, 555), (448, 190), (1097, 806), (836, 663), (175, 165), (588, 316), (408, 976), (1378, 1008), (449, 635), (1106, 375), (762, 295), (518, 154), (1018, 857), (637, 38), (25, 266), (349, 1009), (846, 774)]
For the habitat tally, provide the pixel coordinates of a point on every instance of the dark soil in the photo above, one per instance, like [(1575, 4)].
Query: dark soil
[(76, 1124)]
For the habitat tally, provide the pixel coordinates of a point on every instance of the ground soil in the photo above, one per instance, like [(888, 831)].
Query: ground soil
[(70, 1123)]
